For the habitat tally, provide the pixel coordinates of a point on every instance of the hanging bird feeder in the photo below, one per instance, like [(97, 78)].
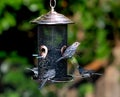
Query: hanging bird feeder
[(52, 40)]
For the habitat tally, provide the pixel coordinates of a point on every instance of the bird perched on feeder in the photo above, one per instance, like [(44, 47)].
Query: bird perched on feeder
[(87, 73), (43, 52), (69, 52), (47, 76)]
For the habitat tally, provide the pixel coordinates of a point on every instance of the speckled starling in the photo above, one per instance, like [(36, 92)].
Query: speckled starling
[(69, 52)]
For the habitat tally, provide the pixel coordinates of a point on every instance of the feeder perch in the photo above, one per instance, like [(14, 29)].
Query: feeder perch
[(52, 38)]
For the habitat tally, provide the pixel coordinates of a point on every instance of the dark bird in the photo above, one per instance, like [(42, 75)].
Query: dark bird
[(87, 73), (47, 76), (69, 52)]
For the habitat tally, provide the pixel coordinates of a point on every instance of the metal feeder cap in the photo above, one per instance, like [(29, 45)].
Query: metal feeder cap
[(51, 18)]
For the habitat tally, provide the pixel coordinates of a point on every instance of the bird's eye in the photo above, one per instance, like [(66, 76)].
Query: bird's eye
[(76, 43)]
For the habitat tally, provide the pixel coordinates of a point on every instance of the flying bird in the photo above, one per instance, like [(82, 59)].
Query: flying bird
[(69, 52), (87, 73)]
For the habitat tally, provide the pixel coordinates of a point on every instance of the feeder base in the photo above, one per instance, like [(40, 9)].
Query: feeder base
[(63, 79)]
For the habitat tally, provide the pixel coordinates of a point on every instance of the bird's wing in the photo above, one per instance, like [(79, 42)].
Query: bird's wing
[(68, 53), (49, 74), (36, 68), (43, 83), (30, 69), (97, 73), (88, 71)]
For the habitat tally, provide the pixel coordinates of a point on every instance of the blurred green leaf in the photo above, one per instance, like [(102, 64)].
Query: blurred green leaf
[(3, 54), (14, 77), (16, 4), (85, 88)]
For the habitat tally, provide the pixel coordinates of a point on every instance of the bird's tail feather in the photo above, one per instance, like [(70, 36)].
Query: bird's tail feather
[(59, 59), (97, 74), (43, 83), (30, 69)]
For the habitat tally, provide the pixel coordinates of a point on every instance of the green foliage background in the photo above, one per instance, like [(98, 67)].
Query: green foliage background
[(97, 20)]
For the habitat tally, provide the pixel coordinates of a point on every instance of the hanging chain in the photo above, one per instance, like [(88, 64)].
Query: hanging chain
[(52, 4)]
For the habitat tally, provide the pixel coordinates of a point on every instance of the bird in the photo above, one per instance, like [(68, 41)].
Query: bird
[(69, 52), (47, 76), (34, 70), (86, 73)]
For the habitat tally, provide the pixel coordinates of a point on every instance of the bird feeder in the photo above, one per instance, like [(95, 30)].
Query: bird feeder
[(52, 38)]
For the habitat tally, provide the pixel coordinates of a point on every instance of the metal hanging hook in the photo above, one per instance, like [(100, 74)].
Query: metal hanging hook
[(52, 5)]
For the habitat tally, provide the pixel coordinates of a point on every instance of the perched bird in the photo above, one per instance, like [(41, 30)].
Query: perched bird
[(69, 52), (87, 73), (34, 70), (47, 76)]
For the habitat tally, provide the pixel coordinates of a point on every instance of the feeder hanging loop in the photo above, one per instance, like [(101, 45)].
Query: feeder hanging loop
[(52, 4)]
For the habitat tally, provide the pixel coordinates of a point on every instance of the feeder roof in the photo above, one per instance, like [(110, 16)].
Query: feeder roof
[(51, 18)]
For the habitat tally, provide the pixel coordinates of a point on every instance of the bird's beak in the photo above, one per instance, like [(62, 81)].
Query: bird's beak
[(78, 43)]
